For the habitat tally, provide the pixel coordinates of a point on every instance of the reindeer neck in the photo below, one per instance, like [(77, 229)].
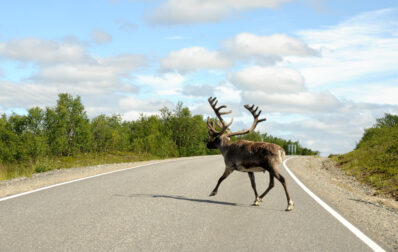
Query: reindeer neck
[(224, 144)]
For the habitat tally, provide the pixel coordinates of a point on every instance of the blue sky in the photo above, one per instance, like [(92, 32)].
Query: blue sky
[(321, 71)]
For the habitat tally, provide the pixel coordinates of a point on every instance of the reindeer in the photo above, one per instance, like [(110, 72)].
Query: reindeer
[(245, 156)]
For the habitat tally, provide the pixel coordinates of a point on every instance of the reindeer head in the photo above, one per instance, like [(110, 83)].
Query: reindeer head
[(217, 136)]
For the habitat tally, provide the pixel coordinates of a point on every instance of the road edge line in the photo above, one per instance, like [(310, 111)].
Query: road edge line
[(373, 245), (89, 177)]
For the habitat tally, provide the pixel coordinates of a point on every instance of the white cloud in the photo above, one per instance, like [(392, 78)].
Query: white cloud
[(43, 51), (99, 76), (167, 84), (352, 51), (194, 58), (268, 49), (147, 105), (123, 62), (168, 80), (134, 107), (360, 29), (76, 72), (97, 100), (175, 12), (269, 80), (301, 102), (101, 37), (380, 92), (281, 90), (245, 46), (227, 92), (198, 90), (26, 95)]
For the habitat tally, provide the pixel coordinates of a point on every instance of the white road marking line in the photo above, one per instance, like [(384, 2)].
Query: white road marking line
[(340, 218), (89, 177)]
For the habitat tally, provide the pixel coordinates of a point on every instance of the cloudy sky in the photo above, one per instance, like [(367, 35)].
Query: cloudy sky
[(321, 71)]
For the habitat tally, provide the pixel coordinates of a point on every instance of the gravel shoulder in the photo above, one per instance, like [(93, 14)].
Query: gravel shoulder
[(376, 216)]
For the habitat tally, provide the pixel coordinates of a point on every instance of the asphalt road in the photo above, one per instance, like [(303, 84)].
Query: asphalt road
[(165, 207)]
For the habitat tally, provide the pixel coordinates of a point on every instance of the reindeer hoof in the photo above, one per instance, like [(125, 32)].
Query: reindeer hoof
[(290, 206), (212, 193), (257, 202)]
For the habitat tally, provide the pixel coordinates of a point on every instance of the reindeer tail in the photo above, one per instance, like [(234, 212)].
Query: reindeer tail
[(282, 154)]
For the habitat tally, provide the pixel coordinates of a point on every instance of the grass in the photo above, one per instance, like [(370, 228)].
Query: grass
[(26, 169), (375, 160)]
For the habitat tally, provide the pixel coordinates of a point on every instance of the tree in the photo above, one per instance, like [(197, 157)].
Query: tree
[(9, 141), (35, 121), (151, 136), (254, 136), (34, 138), (68, 127), (189, 133), (387, 121), (110, 134)]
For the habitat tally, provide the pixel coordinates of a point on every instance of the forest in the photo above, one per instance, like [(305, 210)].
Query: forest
[(37, 141)]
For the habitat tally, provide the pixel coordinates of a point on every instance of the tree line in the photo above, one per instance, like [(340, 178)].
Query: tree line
[(66, 130)]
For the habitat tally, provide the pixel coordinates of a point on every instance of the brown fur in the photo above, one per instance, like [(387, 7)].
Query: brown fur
[(248, 154)]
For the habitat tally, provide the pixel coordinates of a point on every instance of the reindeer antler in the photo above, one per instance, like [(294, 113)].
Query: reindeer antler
[(210, 125), (255, 122)]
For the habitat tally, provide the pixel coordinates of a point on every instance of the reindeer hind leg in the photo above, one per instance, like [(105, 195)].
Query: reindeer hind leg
[(290, 203)]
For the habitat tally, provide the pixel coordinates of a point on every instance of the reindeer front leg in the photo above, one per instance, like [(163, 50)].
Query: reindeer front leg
[(253, 182), (224, 176)]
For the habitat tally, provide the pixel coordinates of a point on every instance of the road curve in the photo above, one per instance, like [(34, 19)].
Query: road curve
[(165, 207)]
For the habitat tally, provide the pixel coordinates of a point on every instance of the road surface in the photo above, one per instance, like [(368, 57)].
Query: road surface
[(165, 207)]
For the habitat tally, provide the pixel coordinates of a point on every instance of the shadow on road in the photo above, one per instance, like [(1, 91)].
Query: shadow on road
[(177, 197)]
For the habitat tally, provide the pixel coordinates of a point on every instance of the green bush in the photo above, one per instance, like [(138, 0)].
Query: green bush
[(375, 158), (44, 165)]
